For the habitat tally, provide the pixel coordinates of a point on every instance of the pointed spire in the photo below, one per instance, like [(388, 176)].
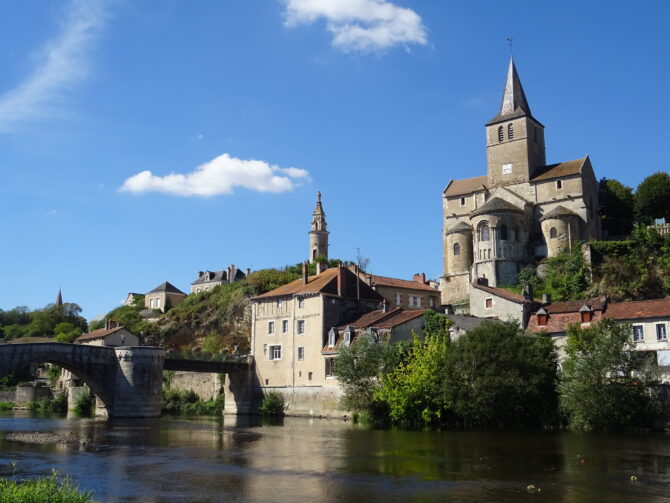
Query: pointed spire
[(514, 103), (59, 298), (319, 208)]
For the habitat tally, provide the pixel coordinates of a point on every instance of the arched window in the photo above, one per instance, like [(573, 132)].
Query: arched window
[(314, 254), (552, 233), (501, 133), (503, 232), (510, 131), (484, 232), (457, 249)]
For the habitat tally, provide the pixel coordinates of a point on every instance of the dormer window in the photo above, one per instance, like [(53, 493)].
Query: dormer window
[(331, 338), (542, 317), (501, 134), (586, 314), (510, 131)]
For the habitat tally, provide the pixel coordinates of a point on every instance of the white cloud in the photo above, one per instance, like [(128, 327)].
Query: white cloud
[(360, 25), (61, 62), (219, 176)]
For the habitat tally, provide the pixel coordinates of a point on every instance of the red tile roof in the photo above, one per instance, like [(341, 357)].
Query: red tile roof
[(569, 306), (326, 283), (558, 322), (400, 283), (558, 170), (638, 309), (98, 334), (380, 319), (465, 186)]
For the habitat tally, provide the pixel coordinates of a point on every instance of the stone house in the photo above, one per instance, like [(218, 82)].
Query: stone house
[(415, 294), (165, 294), (521, 210), (209, 279), (461, 324), (112, 334), (290, 327), (500, 304)]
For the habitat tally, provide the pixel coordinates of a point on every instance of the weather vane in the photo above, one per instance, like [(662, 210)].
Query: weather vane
[(509, 41)]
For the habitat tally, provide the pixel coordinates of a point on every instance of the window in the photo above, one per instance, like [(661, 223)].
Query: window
[(638, 333), (457, 249), (347, 337), (484, 232), (553, 233), (279, 303), (271, 327), (503, 232), (411, 300), (301, 353), (419, 301), (661, 332), (301, 303), (462, 201), (506, 169), (158, 302), (330, 367), (284, 326), (501, 134), (398, 299), (309, 376), (489, 303), (510, 131), (331, 339), (275, 353), (559, 184), (300, 327), (151, 303)]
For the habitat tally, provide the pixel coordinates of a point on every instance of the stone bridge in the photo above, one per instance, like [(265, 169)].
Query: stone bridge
[(128, 379)]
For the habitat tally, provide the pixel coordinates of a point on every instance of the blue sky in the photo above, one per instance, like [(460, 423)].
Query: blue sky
[(254, 105)]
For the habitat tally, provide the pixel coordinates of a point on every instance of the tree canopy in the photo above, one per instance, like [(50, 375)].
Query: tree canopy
[(652, 198)]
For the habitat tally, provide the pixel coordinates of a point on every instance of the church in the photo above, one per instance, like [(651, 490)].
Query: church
[(521, 211)]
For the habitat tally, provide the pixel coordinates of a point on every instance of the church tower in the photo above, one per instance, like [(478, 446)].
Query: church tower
[(318, 235), (514, 138)]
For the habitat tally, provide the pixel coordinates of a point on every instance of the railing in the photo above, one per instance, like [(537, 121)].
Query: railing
[(663, 229), (203, 357)]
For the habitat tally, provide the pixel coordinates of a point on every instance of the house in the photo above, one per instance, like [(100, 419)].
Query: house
[(521, 209), (463, 323), (497, 303), (290, 326), (164, 296), (112, 335), (209, 279), (391, 326), (415, 294), (132, 298)]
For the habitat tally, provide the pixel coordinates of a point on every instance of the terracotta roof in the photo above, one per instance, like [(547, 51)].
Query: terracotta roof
[(573, 306), (465, 186), (496, 205), (500, 292), (326, 283), (400, 318), (400, 283), (167, 287), (557, 170), (638, 309), (558, 211), (558, 322), (99, 334)]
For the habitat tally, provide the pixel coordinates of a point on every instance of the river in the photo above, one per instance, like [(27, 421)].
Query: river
[(317, 460)]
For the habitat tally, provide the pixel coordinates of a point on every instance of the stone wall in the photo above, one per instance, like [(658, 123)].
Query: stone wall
[(320, 401), (206, 385), (26, 394), (7, 396)]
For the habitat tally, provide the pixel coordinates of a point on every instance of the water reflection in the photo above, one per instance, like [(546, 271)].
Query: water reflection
[(246, 459)]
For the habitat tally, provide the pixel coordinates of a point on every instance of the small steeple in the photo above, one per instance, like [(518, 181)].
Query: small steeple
[(319, 208), (59, 298), (318, 235), (514, 103), (319, 220)]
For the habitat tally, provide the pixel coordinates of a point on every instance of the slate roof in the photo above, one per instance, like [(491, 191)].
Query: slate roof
[(558, 211), (496, 205), (326, 283), (514, 103), (467, 322), (561, 169), (465, 186), (459, 227), (166, 287), (640, 309)]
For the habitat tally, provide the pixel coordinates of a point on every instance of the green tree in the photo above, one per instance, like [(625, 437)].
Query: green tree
[(66, 332), (499, 377), (606, 383), (652, 198), (617, 206), (568, 275)]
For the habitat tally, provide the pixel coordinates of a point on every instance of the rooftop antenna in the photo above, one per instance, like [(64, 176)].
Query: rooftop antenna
[(509, 42)]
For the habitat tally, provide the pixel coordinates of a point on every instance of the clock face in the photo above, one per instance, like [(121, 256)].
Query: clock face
[(507, 169)]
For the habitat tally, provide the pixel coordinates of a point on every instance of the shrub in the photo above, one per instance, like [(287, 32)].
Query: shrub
[(4, 406), (273, 405), (47, 489), (84, 404), (188, 403)]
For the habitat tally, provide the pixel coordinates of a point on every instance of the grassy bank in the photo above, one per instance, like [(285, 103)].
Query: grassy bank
[(45, 489), (6, 406), (187, 403)]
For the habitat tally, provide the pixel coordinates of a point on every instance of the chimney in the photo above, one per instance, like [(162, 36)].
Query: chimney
[(546, 298), (200, 273), (305, 274), (421, 278), (369, 279), (110, 323), (247, 271), (528, 292), (341, 280), (384, 306), (320, 267)]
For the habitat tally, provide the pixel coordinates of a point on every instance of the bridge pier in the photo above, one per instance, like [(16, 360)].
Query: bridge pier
[(239, 391), (138, 384)]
